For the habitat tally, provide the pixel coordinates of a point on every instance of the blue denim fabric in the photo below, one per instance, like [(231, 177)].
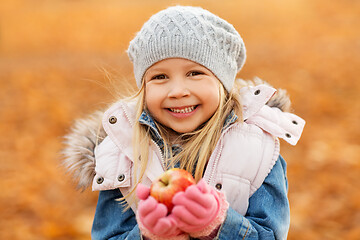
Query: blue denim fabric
[(267, 217), (268, 214), (110, 222)]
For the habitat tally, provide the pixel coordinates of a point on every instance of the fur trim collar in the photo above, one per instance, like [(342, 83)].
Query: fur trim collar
[(79, 145)]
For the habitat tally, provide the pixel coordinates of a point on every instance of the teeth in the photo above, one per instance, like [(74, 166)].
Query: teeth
[(184, 110)]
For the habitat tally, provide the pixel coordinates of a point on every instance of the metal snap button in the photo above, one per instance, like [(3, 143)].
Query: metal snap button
[(100, 180), (257, 92), (112, 120), (288, 135), (218, 186), (121, 177)]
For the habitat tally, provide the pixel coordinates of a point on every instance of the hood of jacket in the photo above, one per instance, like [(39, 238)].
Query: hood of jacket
[(86, 133)]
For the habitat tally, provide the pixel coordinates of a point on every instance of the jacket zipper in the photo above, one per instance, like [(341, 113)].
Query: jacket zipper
[(161, 154), (214, 163), (218, 154), (131, 123)]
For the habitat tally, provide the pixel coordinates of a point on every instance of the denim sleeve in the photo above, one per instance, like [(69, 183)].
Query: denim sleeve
[(268, 214), (110, 222)]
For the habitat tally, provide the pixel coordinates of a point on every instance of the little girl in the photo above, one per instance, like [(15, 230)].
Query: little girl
[(189, 113)]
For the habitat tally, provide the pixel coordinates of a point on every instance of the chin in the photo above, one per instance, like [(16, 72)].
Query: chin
[(184, 130), (179, 129)]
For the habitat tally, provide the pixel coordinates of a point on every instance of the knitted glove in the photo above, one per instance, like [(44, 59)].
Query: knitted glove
[(200, 209), (152, 218)]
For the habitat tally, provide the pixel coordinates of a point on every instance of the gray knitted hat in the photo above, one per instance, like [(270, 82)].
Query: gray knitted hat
[(191, 33)]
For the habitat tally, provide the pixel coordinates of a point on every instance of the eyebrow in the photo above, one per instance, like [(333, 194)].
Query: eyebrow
[(156, 69)]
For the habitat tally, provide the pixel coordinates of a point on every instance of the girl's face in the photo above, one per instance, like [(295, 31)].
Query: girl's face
[(181, 94)]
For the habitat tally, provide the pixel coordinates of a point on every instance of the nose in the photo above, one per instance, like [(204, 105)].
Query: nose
[(178, 89)]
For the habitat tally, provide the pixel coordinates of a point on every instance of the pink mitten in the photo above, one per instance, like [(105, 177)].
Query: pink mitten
[(152, 218), (200, 209)]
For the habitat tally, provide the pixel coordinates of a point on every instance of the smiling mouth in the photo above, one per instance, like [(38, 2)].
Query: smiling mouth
[(183, 110)]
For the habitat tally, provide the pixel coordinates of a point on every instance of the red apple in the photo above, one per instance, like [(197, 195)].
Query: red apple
[(168, 184)]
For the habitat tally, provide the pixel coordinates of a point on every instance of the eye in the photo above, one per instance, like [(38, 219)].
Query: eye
[(194, 73), (159, 77)]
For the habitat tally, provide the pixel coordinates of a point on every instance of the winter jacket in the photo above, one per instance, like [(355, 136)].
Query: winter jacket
[(240, 163)]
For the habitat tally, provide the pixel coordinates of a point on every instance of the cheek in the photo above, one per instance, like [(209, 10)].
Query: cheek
[(152, 100), (214, 102), (212, 96)]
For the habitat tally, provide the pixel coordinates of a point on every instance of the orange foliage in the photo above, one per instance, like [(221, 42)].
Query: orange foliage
[(51, 56)]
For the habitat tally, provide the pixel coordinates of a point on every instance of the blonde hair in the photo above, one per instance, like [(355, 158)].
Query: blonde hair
[(197, 146)]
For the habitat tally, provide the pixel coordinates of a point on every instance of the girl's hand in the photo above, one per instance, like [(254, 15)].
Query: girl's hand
[(153, 219), (200, 209)]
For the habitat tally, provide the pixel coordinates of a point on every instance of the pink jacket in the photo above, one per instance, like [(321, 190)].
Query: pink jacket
[(243, 157)]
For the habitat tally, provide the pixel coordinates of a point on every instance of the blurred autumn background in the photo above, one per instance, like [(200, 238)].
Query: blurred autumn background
[(54, 60)]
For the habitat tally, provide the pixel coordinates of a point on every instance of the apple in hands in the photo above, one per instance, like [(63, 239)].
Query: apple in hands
[(168, 184)]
